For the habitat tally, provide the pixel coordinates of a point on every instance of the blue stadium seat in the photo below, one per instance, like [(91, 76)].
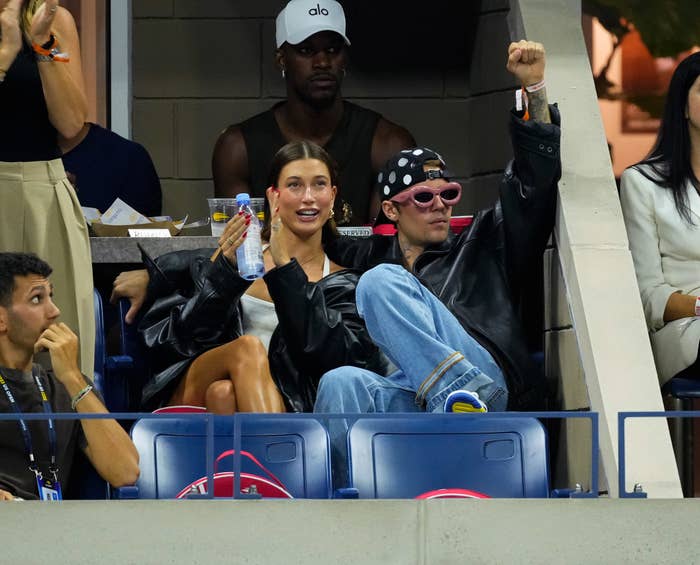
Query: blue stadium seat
[(119, 378), (130, 367), (403, 457), (100, 349), (172, 452)]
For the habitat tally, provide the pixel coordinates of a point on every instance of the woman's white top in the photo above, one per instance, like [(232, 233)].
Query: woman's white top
[(260, 317), (666, 255)]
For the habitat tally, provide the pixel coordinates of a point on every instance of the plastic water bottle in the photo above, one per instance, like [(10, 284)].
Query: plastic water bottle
[(249, 255)]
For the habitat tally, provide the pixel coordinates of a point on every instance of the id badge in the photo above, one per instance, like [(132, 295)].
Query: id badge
[(49, 490)]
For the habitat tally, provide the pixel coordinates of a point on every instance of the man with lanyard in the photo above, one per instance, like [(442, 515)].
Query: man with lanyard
[(36, 455)]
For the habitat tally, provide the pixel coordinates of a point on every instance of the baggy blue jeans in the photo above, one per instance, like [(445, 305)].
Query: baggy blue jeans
[(423, 339), (420, 336)]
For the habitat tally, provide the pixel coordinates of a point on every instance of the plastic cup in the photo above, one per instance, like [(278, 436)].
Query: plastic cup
[(257, 205), (220, 212)]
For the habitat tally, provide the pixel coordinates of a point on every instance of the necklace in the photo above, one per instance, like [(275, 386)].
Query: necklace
[(305, 261)]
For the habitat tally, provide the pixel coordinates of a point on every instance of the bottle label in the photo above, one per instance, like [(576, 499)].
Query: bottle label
[(249, 254)]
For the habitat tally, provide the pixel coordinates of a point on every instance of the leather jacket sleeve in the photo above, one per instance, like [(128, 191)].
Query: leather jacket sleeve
[(365, 252), (197, 315), (528, 193), (170, 272), (319, 322)]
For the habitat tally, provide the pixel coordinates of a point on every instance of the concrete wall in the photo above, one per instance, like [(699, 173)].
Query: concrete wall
[(200, 66), (599, 352), (400, 532)]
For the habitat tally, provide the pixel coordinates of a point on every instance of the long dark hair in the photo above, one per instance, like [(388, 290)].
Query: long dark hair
[(668, 163), (296, 151)]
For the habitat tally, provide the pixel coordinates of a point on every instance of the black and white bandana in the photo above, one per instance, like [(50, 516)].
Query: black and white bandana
[(406, 169)]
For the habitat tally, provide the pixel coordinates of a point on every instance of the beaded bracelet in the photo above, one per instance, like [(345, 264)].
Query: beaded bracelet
[(79, 396)]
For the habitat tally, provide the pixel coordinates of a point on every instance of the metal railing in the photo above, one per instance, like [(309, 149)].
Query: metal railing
[(240, 419)]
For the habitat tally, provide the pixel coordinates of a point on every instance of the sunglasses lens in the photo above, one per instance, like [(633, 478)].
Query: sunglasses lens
[(423, 197), (449, 194)]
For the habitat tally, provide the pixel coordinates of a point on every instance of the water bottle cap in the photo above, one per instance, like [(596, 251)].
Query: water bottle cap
[(242, 198)]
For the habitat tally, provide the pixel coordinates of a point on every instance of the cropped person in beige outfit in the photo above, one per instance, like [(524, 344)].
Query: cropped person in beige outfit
[(661, 205), (41, 95)]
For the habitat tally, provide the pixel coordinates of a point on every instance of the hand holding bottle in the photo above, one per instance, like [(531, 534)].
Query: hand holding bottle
[(233, 236), (249, 255)]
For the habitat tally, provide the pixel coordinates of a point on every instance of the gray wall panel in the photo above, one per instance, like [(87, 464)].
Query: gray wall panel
[(220, 69)]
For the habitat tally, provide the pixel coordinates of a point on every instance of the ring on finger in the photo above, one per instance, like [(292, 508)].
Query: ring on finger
[(230, 241)]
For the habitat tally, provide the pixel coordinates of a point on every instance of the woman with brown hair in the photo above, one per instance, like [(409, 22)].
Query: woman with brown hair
[(219, 341), (41, 95)]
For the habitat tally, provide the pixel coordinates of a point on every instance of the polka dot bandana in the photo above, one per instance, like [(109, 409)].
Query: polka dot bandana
[(406, 169)]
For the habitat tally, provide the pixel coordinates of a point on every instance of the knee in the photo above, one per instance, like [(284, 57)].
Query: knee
[(338, 382), (220, 398), (379, 282), (244, 351), (250, 345), (343, 390)]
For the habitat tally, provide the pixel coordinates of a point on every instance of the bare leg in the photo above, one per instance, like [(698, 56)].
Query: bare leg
[(243, 363), (220, 398)]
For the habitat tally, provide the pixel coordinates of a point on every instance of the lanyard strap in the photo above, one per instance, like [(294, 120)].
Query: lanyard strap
[(29, 449)]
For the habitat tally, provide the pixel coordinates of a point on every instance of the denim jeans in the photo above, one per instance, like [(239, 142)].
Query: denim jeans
[(422, 338)]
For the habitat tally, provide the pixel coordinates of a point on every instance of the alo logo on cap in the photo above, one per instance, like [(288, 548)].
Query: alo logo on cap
[(318, 11)]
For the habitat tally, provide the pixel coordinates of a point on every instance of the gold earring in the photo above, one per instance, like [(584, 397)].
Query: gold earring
[(332, 214)]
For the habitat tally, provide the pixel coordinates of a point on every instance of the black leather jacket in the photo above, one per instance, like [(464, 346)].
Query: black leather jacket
[(195, 306), (480, 275)]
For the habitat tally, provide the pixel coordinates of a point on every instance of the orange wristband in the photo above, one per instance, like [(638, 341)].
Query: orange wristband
[(49, 51), (526, 115)]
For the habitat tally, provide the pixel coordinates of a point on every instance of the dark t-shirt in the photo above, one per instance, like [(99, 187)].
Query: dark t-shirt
[(108, 166), (15, 476)]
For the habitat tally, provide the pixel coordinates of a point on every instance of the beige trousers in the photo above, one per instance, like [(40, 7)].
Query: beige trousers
[(40, 213)]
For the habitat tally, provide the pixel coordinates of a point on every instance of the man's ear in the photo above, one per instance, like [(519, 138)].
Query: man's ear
[(390, 211), (279, 59), (3, 319)]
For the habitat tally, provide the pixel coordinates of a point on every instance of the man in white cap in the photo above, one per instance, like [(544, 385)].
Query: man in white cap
[(312, 53)]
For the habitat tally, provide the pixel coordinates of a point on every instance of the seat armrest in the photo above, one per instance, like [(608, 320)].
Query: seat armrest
[(116, 362), (346, 493), (125, 493)]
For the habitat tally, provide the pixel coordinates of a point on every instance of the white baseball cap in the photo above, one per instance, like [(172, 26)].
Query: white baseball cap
[(302, 18)]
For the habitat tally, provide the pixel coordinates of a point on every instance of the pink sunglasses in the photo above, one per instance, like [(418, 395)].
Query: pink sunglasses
[(423, 196)]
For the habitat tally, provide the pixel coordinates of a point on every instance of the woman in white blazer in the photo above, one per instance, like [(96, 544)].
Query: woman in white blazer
[(660, 199)]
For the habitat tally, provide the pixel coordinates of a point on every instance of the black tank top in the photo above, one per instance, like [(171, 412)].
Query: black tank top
[(25, 131), (350, 145)]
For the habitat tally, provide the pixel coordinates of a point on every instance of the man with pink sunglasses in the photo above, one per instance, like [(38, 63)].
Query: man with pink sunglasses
[(445, 309)]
